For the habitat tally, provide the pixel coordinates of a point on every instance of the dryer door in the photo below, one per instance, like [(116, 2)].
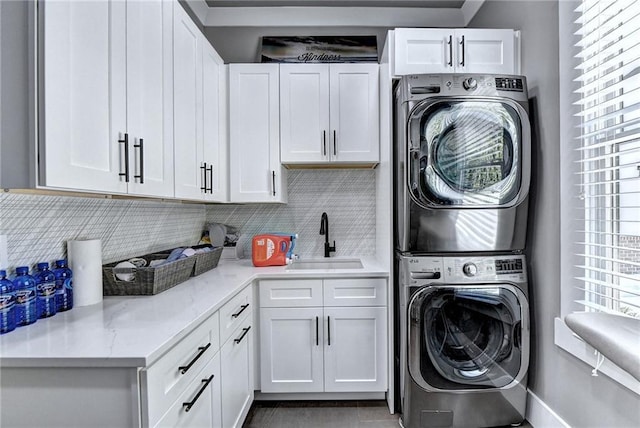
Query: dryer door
[(468, 337), (468, 153)]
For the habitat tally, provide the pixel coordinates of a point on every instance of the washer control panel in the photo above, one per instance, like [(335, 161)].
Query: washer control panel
[(422, 270), (477, 269)]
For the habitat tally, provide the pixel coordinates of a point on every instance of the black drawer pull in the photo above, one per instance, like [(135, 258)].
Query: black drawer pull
[(237, 314), (244, 333), (125, 141), (317, 335), (202, 349), (140, 146), (329, 330), (188, 405)]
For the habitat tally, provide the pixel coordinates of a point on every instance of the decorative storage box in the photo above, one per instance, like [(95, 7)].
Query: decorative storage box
[(146, 280)]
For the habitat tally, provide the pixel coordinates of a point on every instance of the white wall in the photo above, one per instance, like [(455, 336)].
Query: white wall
[(564, 383)]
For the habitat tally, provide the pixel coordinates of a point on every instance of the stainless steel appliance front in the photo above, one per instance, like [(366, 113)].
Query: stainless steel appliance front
[(462, 156), (465, 336)]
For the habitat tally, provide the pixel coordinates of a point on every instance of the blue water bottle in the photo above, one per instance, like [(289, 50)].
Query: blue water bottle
[(64, 286), (26, 295), (46, 287), (7, 304)]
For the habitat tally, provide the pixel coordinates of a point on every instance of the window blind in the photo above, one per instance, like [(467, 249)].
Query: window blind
[(608, 155)]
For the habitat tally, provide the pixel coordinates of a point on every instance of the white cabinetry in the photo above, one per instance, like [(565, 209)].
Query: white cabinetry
[(107, 98), (200, 151), (237, 358), (426, 50), (337, 346), (256, 174), (329, 113)]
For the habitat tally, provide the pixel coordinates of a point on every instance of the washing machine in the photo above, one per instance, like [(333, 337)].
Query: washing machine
[(462, 147), (465, 335)]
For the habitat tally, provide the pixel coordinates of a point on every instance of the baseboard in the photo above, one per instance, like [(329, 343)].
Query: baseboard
[(540, 415)]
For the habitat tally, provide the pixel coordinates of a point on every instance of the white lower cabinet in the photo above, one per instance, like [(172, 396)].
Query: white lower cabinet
[(199, 405), (338, 348), (237, 376), (291, 349)]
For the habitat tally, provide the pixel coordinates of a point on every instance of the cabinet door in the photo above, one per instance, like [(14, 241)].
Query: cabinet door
[(150, 97), (355, 356), (291, 350), (204, 394), (214, 128), (187, 68), (304, 113), (84, 96), (423, 50), (354, 113), (237, 376), (485, 51), (256, 174)]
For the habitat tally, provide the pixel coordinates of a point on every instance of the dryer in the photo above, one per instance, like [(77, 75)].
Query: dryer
[(465, 340), (462, 163)]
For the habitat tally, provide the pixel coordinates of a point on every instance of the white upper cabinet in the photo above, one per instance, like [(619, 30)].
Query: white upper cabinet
[(329, 114), (107, 96), (426, 50), (255, 172), (150, 97), (84, 96), (199, 121)]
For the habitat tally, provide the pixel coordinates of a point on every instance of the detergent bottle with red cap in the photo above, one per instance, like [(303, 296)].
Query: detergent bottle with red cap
[(270, 250)]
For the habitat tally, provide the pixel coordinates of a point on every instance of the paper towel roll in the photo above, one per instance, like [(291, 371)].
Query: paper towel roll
[(85, 260)]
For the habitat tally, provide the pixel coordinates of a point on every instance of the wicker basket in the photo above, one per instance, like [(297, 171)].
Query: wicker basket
[(206, 261), (147, 280)]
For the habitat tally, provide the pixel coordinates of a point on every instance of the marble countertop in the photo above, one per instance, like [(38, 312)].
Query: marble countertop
[(134, 331)]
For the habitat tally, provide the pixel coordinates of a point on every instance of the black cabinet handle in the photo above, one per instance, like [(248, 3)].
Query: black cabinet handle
[(244, 333), (450, 43), (324, 143), (210, 170), (462, 43), (140, 146), (317, 340), (329, 330), (203, 168), (188, 405), (125, 141), (335, 141), (202, 350), (273, 180), (242, 308)]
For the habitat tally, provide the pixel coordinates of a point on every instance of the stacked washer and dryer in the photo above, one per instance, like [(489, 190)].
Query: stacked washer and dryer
[(462, 171)]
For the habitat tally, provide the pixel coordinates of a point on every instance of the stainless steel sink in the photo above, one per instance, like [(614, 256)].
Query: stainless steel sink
[(325, 264)]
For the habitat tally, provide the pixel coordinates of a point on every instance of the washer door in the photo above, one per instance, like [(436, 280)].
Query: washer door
[(468, 153), (468, 337)]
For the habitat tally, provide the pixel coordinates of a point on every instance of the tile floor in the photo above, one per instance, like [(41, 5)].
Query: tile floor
[(323, 414), (320, 414)]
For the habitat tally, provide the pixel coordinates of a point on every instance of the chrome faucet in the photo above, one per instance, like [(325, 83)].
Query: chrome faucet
[(324, 230)]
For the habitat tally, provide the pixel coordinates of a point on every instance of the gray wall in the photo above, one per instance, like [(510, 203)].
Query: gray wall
[(16, 147), (560, 380)]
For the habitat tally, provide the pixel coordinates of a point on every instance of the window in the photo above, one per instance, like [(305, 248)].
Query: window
[(608, 156), (600, 167)]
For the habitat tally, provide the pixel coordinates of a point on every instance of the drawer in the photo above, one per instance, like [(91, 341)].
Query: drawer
[(355, 292), (166, 379), (204, 395), (234, 312), (290, 293)]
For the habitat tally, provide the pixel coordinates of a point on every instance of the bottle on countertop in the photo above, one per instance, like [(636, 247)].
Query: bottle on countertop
[(64, 286), (7, 304), (270, 250), (26, 309), (46, 287)]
